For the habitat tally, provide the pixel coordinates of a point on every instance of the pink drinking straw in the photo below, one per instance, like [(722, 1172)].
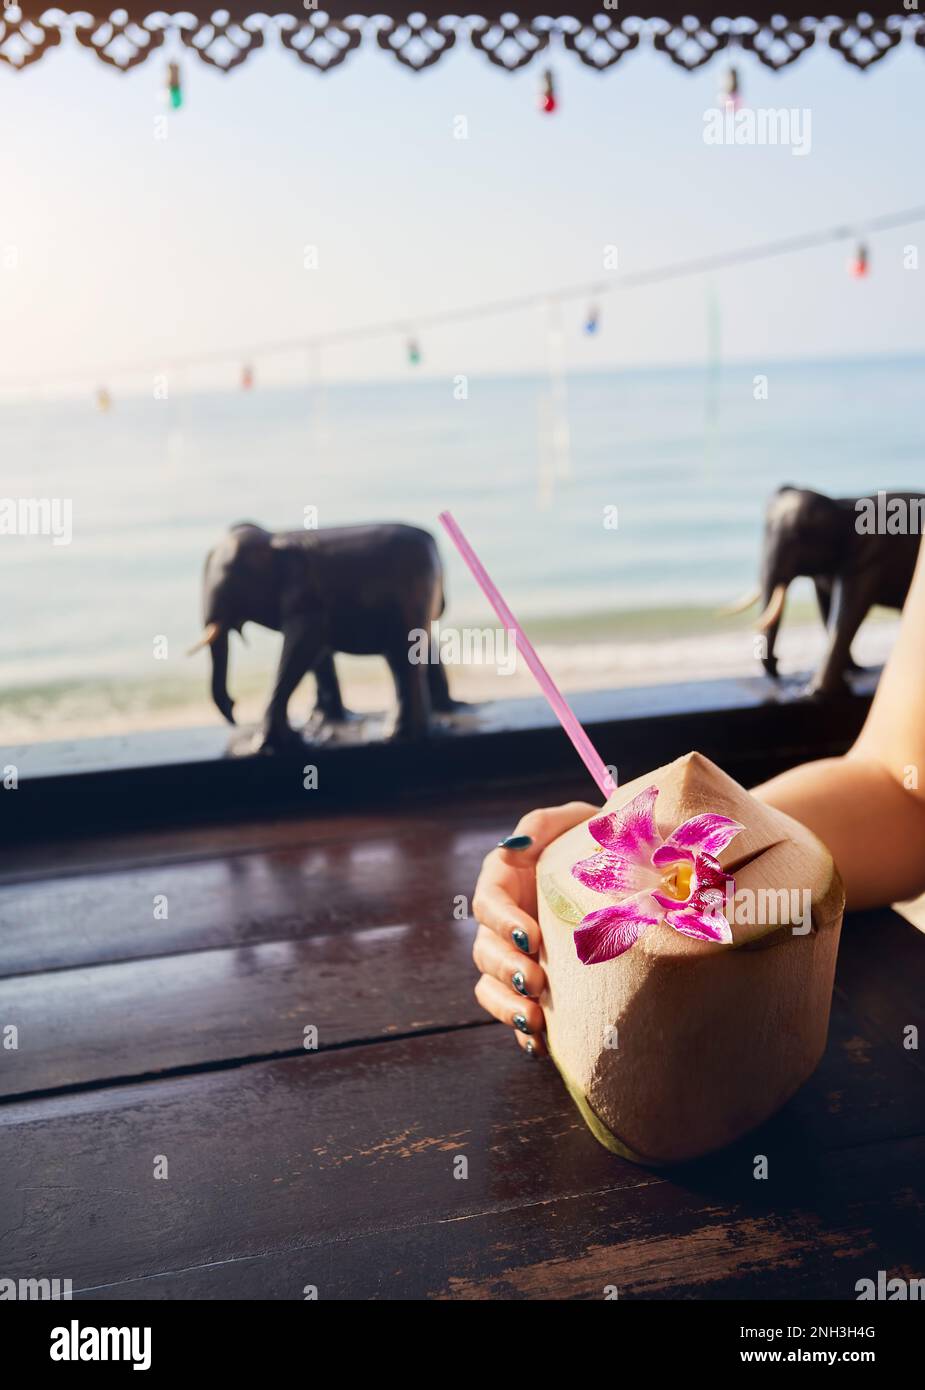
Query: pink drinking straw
[(560, 706)]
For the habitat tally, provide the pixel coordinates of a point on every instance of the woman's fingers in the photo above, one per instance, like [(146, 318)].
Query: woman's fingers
[(505, 895), (494, 957), (536, 1047), (496, 905), (524, 1015), (537, 829), (504, 904)]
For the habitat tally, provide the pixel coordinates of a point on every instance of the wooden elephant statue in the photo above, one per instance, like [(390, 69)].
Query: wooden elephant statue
[(358, 589), (858, 551)]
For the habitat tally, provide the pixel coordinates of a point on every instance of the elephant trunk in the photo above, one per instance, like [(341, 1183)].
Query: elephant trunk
[(769, 622), (219, 649)]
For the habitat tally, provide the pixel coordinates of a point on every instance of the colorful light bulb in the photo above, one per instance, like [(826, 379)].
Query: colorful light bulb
[(730, 94), (860, 265), (174, 86), (548, 92)]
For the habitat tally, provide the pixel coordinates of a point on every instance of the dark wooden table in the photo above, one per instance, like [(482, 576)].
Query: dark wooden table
[(145, 1037)]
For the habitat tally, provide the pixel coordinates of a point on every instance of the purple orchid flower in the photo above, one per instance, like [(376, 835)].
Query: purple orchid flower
[(677, 880)]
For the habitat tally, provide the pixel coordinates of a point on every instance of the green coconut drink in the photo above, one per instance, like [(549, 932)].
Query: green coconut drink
[(689, 943)]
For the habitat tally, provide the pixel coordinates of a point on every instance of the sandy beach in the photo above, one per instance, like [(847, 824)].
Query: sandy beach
[(608, 662)]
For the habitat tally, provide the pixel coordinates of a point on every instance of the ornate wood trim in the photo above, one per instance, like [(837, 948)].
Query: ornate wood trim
[(599, 36)]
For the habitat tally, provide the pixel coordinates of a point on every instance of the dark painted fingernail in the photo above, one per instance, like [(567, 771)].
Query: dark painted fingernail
[(530, 1048), (521, 940), (519, 983), (516, 842), (520, 1023)]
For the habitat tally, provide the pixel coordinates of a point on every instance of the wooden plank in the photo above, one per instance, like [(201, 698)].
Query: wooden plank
[(364, 1141), (881, 974), (39, 860), (279, 1153), (408, 968), (143, 1018), (376, 973), (252, 1001), (856, 1212), (398, 871)]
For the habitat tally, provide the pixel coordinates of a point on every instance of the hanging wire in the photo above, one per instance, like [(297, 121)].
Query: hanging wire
[(722, 260)]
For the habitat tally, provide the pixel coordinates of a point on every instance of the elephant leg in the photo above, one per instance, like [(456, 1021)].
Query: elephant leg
[(440, 697), (329, 702), (769, 659), (823, 589), (413, 691), (299, 654), (850, 605)]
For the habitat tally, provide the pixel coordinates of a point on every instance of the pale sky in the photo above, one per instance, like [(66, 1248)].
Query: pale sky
[(132, 249)]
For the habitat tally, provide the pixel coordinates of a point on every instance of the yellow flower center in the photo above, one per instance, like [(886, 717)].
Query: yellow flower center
[(677, 883)]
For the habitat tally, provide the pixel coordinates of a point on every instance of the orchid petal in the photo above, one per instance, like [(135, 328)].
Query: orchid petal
[(708, 873), (631, 831), (703, 926), (670, 854), (608, 872), (606, 934), (667, 901), (706, 834)]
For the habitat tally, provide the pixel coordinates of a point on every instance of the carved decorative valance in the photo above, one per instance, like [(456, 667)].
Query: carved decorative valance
[(598, 36)]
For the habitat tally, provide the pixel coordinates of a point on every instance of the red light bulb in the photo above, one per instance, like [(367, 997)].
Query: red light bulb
[(548, 92), (859, 266)]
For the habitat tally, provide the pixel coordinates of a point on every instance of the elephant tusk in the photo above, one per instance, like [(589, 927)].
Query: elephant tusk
[(211, 635), (740, 605), (774, 609)]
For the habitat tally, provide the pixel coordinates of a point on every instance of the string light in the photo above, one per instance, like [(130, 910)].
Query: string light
[(247, 377), (860, 265), (592, 320), (471, 313), (103, 399), (174, 86), (548, 92), (730, 92)]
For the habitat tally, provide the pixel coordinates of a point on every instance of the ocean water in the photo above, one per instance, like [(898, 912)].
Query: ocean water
[(687, 457)]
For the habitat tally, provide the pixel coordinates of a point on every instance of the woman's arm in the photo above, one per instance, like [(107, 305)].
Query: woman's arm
[(873, 827)]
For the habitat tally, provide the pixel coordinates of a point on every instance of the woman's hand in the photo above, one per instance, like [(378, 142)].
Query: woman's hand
[(508, 937)]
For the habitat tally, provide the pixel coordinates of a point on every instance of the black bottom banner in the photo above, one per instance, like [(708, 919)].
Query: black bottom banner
[(159, 1338)]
